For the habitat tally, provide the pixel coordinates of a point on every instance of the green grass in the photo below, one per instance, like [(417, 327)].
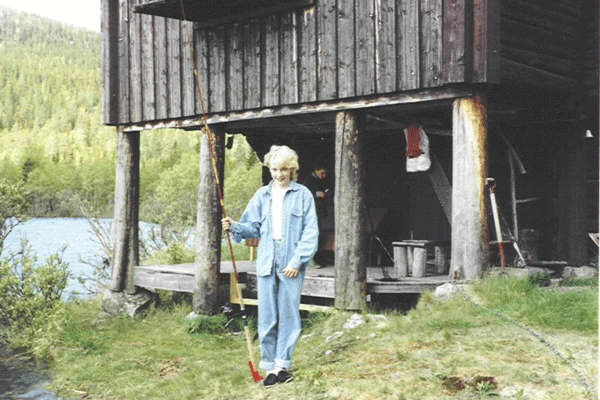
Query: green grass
[(439, 350), (520, 299)]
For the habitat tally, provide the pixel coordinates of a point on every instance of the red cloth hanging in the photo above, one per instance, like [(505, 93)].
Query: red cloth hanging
[(413, 148)]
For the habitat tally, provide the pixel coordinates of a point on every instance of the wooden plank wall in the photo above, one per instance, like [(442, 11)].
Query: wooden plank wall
[(335, 49), (542, 34)]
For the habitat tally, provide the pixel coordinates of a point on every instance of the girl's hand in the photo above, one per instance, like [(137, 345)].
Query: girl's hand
[(290, 272), (226, 223)]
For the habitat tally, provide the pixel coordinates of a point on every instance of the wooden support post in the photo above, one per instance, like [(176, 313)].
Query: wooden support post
[(469, 171), (401, 261), (419, 262), (208, 228), (572, 235), (125, 225), (350, 213), (441, 259)]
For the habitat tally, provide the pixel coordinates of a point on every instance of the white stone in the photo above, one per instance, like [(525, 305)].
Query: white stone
[(305, 337), (115, 303), (585, 272), (445, 291), (376, 317), (334, 336), (354, 321)]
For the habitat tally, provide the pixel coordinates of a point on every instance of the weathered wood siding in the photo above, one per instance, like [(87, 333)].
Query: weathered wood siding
[(331, 50), (542, 35)]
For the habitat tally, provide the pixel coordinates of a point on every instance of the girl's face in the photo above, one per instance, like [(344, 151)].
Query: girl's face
[(282, 176)]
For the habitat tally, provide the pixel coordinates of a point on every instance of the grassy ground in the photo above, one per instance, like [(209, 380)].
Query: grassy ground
[(450, 349)]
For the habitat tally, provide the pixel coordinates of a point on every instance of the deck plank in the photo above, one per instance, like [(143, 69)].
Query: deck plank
[(317, 282)]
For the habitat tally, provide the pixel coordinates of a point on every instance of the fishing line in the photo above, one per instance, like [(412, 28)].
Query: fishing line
[(211, 143)]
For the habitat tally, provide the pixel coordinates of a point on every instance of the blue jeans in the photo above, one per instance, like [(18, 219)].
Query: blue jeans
[(278, 313)]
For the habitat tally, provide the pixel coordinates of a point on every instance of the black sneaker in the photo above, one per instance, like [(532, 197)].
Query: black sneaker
[(270, 380), (284, 377)]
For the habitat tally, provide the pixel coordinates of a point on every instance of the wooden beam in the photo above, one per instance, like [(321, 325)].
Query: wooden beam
[(350, 213), (125, 225), (469, 206), (413, 101), (172, 279), (208, 227), (209, 14), (442, 186)]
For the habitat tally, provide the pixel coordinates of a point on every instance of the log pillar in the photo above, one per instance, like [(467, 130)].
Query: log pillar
[(350, 213), (572, 216), (126, 214), (469, 253), (208, 227)]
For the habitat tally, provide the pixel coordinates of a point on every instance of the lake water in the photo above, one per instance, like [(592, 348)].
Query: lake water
[(47, 236)]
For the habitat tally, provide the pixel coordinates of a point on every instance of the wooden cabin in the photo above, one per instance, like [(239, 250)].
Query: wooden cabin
[(506, 89)]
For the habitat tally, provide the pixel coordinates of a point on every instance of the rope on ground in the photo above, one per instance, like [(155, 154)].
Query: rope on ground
[(552, 348)]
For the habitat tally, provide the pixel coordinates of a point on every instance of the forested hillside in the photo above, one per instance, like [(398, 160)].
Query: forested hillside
[(51, 136)]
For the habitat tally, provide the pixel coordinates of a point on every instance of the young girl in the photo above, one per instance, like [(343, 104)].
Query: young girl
[(282, 214)]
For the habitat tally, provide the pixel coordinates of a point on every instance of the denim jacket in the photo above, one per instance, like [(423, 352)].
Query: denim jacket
[(300, 231)]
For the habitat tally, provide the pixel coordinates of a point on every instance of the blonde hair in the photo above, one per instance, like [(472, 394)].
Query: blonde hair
[(282, 156)]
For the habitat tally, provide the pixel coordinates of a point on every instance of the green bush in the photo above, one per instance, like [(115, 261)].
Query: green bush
[(15, 200), (30, 295)]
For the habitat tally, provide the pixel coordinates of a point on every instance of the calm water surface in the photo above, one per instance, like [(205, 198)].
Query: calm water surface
[(47, 236)]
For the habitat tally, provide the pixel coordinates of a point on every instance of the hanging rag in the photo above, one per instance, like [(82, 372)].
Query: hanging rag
[(417, 148), (413, 141)]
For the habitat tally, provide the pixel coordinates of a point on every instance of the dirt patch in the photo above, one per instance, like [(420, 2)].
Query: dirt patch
[(168, 369)]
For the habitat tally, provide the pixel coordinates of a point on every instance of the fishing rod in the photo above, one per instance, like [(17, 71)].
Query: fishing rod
[(211, 143)]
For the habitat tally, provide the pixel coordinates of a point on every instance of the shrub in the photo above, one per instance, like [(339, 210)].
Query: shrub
[(30, 294), (14, 203)]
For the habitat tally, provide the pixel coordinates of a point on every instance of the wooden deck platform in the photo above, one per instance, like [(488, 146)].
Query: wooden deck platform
[(317, 282)]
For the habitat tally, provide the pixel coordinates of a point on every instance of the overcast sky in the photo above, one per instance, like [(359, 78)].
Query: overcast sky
[(85, 13)]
